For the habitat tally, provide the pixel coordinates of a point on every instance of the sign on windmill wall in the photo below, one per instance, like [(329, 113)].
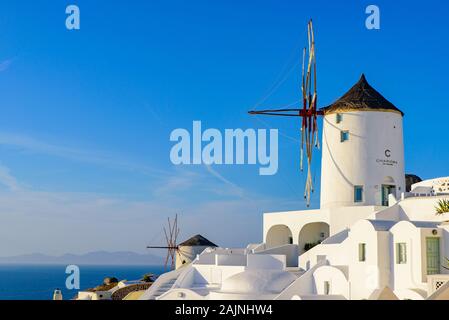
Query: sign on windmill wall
[(387, 161)]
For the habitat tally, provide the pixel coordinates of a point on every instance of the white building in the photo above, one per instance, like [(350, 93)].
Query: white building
[(374, 237)]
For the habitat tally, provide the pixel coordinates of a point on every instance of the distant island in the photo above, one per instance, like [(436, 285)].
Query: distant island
[(91, 258)]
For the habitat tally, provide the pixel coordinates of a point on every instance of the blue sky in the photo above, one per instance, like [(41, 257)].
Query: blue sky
[(87, 115)]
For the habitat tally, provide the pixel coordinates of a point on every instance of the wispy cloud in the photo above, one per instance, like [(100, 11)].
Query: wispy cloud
[(7, 179), (180, 180), (32, 145), (57, 222), (61, 222), (233, 187), (5, 64), (197, 180)]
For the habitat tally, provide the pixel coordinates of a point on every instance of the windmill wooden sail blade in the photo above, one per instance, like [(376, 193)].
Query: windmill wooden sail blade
[(171, 237), (309, 112)]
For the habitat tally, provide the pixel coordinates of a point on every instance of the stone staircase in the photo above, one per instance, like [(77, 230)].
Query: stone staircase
[(163, 288)]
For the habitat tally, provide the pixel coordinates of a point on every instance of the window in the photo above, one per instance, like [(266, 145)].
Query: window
[(401, 253), (358, 193), (327, 288), (344, 136), (362, 252), (433, 255), (338, 117)]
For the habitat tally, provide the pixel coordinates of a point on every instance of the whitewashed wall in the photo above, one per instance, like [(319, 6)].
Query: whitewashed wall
[(361, 159), (364, 275)]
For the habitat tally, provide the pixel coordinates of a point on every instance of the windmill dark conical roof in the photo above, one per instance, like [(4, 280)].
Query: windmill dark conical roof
[(361, 97), (197, 241)]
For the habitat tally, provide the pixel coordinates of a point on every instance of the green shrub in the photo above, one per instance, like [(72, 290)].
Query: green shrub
[(149, 277)]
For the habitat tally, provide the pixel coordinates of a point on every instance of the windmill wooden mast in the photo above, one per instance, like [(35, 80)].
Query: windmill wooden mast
[(309, 112), (171, 237)]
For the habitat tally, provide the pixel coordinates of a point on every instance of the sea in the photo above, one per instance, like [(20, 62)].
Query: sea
[(38, 282)]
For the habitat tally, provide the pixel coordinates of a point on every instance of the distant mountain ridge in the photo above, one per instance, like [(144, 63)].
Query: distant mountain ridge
[(91, 258)]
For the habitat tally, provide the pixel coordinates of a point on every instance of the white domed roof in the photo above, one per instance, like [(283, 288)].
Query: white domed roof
[(258, 281)]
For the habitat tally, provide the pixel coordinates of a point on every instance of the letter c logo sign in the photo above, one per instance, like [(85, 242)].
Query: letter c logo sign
[(387, 153)]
